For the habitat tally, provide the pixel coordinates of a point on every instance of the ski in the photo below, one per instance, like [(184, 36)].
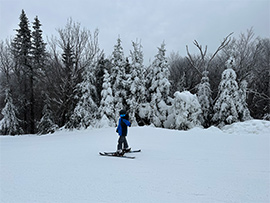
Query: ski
[(132, 151), (113, 155)]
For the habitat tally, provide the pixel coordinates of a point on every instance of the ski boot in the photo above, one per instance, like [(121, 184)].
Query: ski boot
[(119, 152), (126, 150)]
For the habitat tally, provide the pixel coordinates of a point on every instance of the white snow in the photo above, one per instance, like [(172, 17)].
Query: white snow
[(199, 165)]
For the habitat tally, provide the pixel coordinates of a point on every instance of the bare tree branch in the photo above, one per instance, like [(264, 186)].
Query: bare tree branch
[(191, 61), (223, 44), (202, 65)]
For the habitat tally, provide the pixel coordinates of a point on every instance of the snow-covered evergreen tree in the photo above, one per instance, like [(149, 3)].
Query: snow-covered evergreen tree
[(46, 123), (226, 106), (185, 111), (136, 81), (243, 110), (160, 88), (106, 108), (9, 125), (145, 109), (205, 100), (231, 104), (118, 78), (85, 111), (148, 75)]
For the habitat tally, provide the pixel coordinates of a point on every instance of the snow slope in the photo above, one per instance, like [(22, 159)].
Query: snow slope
[(199, 165)]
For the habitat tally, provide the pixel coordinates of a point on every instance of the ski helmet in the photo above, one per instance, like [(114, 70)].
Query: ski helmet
[(123, 112)]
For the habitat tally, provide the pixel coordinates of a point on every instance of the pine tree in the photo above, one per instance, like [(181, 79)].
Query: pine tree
[(21, 50), (38, 48), (67, 86), (184, 112), (226, 106), (106, 108), (39, 55), (9, 125), (149, 75), (118, 78), (85, 112), (21, 45), (231, 104), (136, 82), (242, 107), (99, 76), (160, 88), (205, 100), (47, 123)]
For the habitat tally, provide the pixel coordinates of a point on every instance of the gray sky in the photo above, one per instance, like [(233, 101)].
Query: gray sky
[(177, 22)]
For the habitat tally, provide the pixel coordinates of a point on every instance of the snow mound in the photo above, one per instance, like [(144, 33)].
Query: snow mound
[(258, 127), (213, 129)]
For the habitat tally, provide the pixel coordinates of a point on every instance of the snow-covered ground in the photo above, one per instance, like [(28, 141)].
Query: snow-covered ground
[(199, 165)]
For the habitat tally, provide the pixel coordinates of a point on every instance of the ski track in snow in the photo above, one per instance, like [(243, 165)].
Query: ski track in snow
[(199, 165)]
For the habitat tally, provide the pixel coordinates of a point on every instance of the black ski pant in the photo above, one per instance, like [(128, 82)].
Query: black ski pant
[(122, 141)]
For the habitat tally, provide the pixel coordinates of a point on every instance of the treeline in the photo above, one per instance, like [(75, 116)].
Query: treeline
[(69, 82)]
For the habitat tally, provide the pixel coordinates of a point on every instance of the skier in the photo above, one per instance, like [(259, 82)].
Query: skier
[(122, 131)]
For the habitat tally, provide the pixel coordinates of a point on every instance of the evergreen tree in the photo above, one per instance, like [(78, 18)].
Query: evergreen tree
[(242, 108), (9, 125), (118, 78), (231, 104), (160, 88), (185, 111), (99, 76), (136, 82), (46, 123), (128, 68), (21, 50), (85, 111), (205, 100), (226, 106), (68, 86), (106, 108), (38, 48), (38, 68), (149, 75), (127, 87), (21, 45)]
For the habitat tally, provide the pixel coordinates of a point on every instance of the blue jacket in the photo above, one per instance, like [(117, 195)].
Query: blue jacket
[(122, 127)]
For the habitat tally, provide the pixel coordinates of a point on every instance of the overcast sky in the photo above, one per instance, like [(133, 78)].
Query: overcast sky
[(177, 22)]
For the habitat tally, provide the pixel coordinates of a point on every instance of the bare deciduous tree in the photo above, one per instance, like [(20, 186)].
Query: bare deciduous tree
[(74, 51), (202, 64), (5, 61)]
